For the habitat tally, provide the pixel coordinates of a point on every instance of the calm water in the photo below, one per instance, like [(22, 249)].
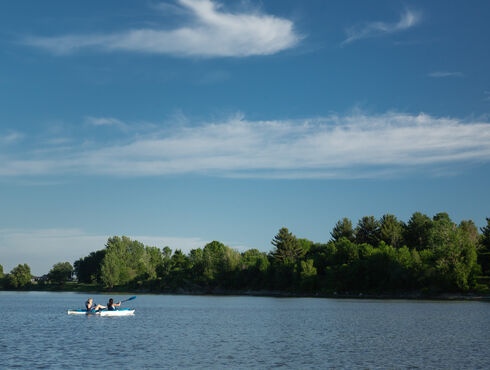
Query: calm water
[(243, 332)]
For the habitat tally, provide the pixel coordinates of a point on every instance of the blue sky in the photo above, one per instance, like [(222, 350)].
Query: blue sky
[(187, 121)]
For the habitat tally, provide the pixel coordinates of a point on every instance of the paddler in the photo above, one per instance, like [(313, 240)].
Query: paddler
[(111, 306), (91, 306)]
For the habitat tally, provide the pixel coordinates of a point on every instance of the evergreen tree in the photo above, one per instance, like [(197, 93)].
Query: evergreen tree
[(343, 229), (485, 237), (391, 230), (484, 250), (367, 231), (417, 231), (287, 249)]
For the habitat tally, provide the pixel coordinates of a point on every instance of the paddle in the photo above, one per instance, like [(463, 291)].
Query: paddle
[(129, 299)]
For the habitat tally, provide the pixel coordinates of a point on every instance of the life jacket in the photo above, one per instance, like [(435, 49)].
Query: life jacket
[(111, 307)]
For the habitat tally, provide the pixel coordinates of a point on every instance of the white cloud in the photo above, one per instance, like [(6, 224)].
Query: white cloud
[(42, 248), (441, 74), (408, 19), (351, 146), (210, 32), (11, 137), (106, 121)]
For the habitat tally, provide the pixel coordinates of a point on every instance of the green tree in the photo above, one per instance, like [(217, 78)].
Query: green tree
[(442, 216), (367, 231), (391, 230), (1, 276), (163, 270), (455, 256), (88, 269), (287, 249), (417, 231), (308, 274), (255, 260), (61, 272), (19, 277), (180, 261), (323, 255), (343, 229), (152, 259), (254, 269), (214, 259), (111, 270), (469, 228), (231, 260), (181, 270), (305, 245), (196, 260), (124, 261), (347, 251), (484, 250), (485, 237)]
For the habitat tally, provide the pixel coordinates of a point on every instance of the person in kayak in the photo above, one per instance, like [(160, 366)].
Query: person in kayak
[(91, 306), (111, 306)]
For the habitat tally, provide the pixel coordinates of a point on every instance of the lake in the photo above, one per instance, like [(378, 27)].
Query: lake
[(243, 332)]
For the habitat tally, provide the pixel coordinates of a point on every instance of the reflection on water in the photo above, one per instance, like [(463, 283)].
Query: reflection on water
[(243, 332)]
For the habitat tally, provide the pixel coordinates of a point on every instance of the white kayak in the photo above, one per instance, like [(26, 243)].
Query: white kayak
[(121, 312)]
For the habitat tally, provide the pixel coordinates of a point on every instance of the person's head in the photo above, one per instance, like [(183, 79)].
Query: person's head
[(90, 300), (111, 301)]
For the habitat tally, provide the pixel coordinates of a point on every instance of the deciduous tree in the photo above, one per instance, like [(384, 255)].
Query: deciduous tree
[(61, 272), (19, 277)]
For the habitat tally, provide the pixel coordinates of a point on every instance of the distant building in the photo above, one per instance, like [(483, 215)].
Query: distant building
[(39, 279)]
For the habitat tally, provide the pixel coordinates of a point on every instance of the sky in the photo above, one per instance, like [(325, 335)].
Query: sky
[(181, 122)]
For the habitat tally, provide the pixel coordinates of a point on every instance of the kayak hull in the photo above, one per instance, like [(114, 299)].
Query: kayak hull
[(121, 312)]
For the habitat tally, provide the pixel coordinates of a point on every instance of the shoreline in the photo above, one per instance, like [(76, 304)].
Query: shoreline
[(274, 294)]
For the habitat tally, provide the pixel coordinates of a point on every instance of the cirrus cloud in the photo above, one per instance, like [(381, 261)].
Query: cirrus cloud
[(408, 19), (350, 146), (211, 32)]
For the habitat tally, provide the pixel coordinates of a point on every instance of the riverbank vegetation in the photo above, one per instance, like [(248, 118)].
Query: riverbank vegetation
[(378, 256)]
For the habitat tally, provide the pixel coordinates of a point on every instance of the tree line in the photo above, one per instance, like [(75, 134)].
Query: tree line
[(383, 255)]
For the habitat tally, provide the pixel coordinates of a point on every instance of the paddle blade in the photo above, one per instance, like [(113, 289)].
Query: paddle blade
[(129, 299)]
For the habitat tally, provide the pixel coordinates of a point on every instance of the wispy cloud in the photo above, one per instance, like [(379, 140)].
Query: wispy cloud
[(41, 248), (442, 74), (350, 146), (210, 32), (11, 137), (408, 19), (106, 121)]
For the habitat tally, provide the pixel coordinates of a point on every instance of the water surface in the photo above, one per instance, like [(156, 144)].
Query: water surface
[(243, 332)]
